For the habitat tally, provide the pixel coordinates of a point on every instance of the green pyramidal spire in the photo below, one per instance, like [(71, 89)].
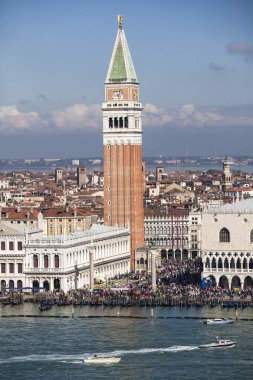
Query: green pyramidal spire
[(121, 67)]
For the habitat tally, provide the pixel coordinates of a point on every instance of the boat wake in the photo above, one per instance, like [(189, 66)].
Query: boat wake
[(44, 358), (153, 350), (77, 359)]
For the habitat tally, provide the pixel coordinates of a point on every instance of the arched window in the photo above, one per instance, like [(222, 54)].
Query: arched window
[(46, 261), (224, 235), (56, 261), (226, 263), (35, 261), (251, 236)]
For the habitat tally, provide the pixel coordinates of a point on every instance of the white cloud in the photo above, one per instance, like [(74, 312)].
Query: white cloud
[(83, 117), (153, 116), (12, 119), (188, 115), (78, 116)]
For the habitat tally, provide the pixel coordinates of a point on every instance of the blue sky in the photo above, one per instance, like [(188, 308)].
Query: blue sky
[(193, 58)]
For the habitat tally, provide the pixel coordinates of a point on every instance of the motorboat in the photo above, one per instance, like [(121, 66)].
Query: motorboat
[(102, 360), (218, 321), (218, 344)]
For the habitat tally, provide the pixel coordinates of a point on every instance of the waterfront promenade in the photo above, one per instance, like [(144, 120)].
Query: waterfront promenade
[(178, 284)]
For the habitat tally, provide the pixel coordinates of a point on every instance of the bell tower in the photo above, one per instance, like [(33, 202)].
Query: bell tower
[(122, 145), (226, 175)]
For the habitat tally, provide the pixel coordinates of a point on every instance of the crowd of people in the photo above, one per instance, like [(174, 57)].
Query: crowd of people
[(177, 283)]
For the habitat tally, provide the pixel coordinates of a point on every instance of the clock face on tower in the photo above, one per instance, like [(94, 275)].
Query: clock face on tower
[(117, 94)]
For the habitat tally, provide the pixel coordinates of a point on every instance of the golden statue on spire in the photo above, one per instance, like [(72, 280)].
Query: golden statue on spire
[(120, 21)]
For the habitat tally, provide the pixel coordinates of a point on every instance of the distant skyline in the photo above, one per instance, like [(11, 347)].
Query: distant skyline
[(193, 58)]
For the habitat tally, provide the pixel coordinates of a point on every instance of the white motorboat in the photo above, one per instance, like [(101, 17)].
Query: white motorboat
[(219, 343), (101, 360), (218, 321)]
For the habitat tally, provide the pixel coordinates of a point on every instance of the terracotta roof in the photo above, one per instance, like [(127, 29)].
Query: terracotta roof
[(66, 212), (19, 213)]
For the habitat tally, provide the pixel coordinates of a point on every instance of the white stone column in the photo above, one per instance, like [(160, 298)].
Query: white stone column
[(51, 284), (229, 282), (91, 253), (153, 270)]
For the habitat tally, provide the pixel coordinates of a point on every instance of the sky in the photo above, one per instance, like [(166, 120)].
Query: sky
[(193, 59)]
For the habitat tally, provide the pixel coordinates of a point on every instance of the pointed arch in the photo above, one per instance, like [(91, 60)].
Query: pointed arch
[(236, 282), (238, 263), (212, 281), (223, 282), (248, 282)]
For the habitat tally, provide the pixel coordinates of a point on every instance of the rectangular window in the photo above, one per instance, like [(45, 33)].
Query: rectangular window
[(56, 261), (19, 245), (3, 268), (20, 268), (11, 267), (2, 245), (46, 261), (11, 245)]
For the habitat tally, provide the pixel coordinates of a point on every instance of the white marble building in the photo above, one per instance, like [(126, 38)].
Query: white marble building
[(12, 255), (169, 234), (61, 262), (227, 244)]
